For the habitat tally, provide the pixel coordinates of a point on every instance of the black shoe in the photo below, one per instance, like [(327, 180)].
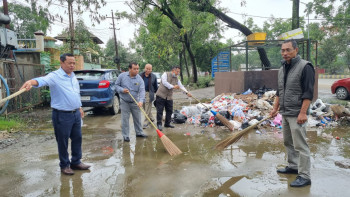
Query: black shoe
[(287, 170), (126, 139), (160, 127), (142, 135), (169, 126), (300, 182)]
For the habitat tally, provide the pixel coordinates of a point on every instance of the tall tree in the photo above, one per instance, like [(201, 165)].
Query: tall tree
[(90, 6), (26, 20), (125, 54), (169, 25), (207, 6)]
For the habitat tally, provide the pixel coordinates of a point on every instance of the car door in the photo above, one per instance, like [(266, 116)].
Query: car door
[(113, 78)]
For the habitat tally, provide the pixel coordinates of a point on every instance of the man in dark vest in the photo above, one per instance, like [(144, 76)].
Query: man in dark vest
[(151, 86), (164, 96), (296, 80)]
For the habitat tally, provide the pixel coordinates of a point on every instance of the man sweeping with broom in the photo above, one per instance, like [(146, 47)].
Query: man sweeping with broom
[(164, 96), (293, 97), (130, 83)]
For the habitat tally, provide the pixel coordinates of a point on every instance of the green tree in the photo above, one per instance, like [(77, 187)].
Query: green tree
[(125, 55), (208, 6), (25, 20), (83, 42), (170, 25)]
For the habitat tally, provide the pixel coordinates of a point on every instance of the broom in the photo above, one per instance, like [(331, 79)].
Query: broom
[(12, 95), (167, 143), (236, 136), (222, 119)]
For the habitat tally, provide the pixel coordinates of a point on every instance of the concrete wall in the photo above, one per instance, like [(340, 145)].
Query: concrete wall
[(240, 81), (28, 57)]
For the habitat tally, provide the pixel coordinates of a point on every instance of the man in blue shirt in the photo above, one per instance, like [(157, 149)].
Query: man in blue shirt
[(133, 83), (66, 113)]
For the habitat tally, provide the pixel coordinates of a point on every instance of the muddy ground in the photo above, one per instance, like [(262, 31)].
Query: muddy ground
[(29, 165)]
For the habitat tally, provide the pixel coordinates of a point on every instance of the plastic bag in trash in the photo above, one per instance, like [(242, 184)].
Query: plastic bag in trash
[(190, 111), (178, 117), (223, 113), (204, 118), (278, 119), (249, 91)]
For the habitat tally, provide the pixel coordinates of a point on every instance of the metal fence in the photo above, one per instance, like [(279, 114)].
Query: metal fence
[(245, 56), (16, 75)]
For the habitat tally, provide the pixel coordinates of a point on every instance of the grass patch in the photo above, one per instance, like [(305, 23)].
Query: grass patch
[(9, 125)]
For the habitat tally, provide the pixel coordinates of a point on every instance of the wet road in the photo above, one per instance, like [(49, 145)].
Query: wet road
[(143, 167)]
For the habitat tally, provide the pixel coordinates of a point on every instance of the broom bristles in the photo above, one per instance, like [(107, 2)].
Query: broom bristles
[(236, 136), (224, 121), (170, 146)]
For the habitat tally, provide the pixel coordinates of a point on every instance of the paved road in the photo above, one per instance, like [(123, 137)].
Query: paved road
[(324, 92)]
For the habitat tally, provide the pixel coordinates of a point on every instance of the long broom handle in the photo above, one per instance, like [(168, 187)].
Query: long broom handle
[(143, 111), (12, 95), (196, 99)]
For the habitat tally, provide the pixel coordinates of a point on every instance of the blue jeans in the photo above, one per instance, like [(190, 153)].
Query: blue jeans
[(68, 125)]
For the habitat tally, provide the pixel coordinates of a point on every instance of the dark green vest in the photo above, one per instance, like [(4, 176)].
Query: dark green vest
[(290, 96)]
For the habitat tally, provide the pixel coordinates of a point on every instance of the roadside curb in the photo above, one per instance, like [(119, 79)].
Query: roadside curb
[(322, 76)]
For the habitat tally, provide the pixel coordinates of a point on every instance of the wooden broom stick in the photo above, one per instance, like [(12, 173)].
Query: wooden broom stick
[(12, 96), (168, 144), (236, 136)]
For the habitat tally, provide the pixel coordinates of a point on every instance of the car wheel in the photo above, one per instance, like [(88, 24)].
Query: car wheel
[(342, 93), (115, 106)]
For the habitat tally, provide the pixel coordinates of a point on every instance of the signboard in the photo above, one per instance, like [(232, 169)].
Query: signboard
[(294, 34), (220, 63)]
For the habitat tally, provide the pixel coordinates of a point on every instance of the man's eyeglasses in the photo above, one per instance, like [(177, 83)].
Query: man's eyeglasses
[(287, 50)]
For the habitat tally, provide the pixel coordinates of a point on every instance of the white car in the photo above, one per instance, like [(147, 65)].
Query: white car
[(158, 75)]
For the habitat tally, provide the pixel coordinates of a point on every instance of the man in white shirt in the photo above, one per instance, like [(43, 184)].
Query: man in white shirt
[(164, 96)]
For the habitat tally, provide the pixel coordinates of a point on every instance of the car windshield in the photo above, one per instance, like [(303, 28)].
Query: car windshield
[(89, 75)]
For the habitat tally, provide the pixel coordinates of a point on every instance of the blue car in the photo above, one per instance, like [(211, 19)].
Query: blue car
[(98, 89)]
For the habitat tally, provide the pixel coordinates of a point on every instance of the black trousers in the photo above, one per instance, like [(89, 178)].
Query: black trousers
[(160, 105)]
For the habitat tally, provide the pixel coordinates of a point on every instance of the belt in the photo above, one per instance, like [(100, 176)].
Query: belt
[(128, 101), (65, 111)]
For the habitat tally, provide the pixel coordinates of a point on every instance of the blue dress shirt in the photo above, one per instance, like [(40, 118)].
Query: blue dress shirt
[(64, 89)]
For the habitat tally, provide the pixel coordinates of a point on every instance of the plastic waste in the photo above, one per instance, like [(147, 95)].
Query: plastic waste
[(249, 91), (278, 119), (178, 117)]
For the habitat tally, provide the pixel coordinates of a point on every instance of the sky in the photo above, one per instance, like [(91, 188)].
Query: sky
[(259, 10)]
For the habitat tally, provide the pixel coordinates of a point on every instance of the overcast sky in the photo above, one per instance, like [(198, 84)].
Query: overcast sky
[(259, 10)]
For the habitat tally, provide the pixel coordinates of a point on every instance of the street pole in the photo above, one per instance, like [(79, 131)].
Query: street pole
[(71, 25), (115, 42)]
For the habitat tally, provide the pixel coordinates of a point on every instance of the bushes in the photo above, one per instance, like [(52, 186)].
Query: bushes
[(202, 82)]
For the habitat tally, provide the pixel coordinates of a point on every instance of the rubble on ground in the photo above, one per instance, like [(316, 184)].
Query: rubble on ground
[(243, 110)]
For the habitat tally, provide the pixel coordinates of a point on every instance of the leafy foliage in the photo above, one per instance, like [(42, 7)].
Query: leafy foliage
[(27, 20)]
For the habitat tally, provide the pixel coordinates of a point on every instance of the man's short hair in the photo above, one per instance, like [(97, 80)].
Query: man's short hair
[(175, 67), (294, 43), (132, 63), (64, 55)]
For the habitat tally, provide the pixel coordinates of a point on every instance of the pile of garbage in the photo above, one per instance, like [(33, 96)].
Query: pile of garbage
[(243, 110)]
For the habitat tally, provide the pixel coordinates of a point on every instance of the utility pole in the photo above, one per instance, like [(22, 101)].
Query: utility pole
[(116, 59), (71, 25), (6, 11), (295, 15)]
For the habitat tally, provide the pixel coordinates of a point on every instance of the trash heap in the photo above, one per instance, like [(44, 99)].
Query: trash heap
[(243, 110)]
